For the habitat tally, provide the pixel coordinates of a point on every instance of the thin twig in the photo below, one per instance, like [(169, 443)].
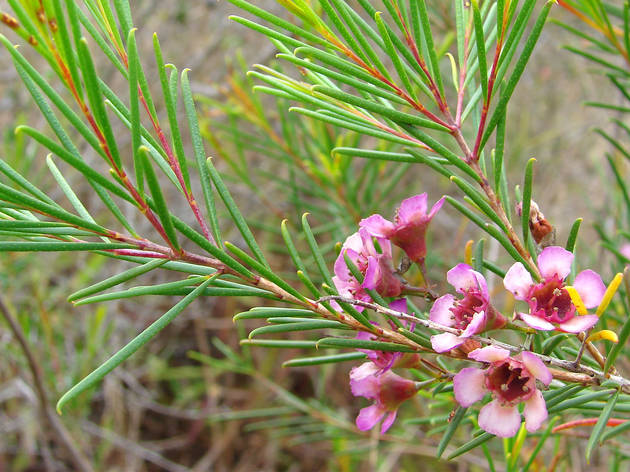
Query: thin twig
[(574, 373)]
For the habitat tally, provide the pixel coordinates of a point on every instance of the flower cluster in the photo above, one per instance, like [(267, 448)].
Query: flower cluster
[(510, 380)]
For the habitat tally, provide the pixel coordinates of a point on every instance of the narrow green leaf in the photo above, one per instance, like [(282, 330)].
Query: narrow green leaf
[(598, 429), (319, 360), (472, 444), (517, 72), (161, 206), (279, 343), (363, 344), (264, 270), (200, 156), (527, 199), (573, 234), (481, 50), (452, 426), (123, 354), (134, 107), (42, 246), (297, 326), (271, 312), (117, 279)]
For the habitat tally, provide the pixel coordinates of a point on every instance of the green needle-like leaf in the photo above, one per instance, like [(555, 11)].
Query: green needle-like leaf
[(598, 429), (126, 352)]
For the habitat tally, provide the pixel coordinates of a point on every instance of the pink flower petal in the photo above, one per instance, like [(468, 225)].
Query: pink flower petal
[(445, 342), (555, 260), (577, 324), (535, 411), (502, 421), (436, 207), (388, 421), (441, 310), (489, 354), (469, 385), (373, 274), (377, 226), (399, 305), (476, 325), (363, 381), (369, 416), (535, 365), (518, 281), (412, 208), (464, 278), (589, 285), (536, 322)]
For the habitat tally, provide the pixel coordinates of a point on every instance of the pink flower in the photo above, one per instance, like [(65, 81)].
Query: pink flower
[(549, 302), (510, 380), (625, 250), (409, 228), (376, 267), (388, 391), (472, 313)]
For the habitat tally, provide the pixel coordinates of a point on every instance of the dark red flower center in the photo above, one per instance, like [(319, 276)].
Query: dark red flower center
[(510, 382), (551, 301), (463, 310)]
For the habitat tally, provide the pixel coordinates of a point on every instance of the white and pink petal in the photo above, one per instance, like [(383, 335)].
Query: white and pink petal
[(469, 386), (489, 354), (377, 226), (412, 209), (445, 342), (555, 260), (577, 324), (518, 281), (591, 288), (535, 411), (502, 421), (536, 367), (536, 322), (369, 416), (441, 310), (464, 278)]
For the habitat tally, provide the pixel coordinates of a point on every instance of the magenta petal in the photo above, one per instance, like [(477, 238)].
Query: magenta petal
[(577, 324), (502, 421), (589, 285), (369, 416), (535, 411), (536, 322), (399, 305), (436, 207), (377, 226), (441, 310), (388, 421), (518, 281), (373, 274), (536, 367), (476, 325), (469, 386), (445, 342), (412, 208), (363, 381), (464, 278), (555, 260), (489, 354)]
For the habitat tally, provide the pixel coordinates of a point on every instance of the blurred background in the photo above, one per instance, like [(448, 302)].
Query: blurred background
[(168, 410)]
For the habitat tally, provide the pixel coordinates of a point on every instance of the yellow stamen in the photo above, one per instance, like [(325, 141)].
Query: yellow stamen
[(610, 292), (603, 334), (577, 300), (468, 252)]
